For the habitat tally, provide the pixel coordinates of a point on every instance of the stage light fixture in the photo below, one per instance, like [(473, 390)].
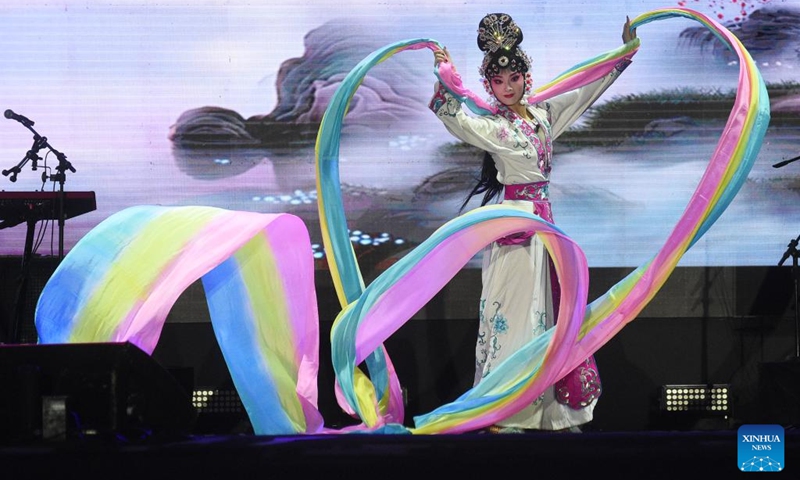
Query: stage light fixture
[(702, 398), (217, 401)]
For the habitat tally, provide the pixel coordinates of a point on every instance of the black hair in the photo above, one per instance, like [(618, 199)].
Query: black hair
[(487, 183)]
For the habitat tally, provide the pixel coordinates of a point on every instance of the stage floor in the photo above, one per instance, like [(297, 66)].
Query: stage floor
[(640, 455)]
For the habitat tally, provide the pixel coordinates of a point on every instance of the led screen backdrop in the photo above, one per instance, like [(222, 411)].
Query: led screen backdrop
[(217, 103)]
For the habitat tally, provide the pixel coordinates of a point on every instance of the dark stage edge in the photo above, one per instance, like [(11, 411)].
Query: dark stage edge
[(640, 455)]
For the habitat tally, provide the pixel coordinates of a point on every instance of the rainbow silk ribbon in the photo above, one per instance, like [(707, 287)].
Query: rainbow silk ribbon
[(119, 282)]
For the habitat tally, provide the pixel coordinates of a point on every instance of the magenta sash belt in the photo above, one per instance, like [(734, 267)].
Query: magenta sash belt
[(538, 194), (528, 191)]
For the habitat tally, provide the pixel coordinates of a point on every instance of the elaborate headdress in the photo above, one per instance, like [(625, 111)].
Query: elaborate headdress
[(499, 38)]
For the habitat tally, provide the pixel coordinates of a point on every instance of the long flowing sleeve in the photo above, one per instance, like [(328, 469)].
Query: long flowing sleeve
[(479, 131), (565, 109)]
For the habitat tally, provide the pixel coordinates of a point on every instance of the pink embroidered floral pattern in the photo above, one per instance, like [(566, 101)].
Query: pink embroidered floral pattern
[(502, 134), (528, 191), (581, 386)]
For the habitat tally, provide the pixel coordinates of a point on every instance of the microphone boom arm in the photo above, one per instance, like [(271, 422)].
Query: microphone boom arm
[(39, 142)]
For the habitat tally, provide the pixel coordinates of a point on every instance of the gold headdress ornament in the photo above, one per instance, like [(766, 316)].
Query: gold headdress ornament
[(498, 31)]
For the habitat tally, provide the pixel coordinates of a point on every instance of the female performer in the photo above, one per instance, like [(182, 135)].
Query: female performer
[(520, 293)]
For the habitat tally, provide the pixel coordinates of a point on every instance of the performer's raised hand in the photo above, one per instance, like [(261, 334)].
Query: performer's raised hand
[(442, 55), (628, 33)]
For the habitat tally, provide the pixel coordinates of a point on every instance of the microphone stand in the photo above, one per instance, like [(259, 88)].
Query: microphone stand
[(792, 251), (786, 162), (40, 142)]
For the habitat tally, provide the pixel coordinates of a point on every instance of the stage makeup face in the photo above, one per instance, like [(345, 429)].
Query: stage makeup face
[(508, 87)]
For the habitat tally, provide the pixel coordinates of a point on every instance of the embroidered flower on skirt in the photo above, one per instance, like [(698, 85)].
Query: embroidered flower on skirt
[(581, 386)]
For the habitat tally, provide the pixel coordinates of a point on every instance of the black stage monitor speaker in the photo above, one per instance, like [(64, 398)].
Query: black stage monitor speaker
[(65, 391)]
